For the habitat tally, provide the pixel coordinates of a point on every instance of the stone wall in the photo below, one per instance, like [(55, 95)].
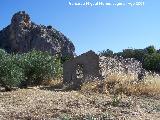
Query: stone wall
[(80, 68), (119, 65), (89, 66)]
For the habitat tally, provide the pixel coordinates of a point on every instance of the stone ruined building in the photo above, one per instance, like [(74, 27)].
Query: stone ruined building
[(89, 66), (80, 68)]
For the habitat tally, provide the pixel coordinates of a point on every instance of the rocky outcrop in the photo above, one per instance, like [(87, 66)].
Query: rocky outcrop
[(22, 35)]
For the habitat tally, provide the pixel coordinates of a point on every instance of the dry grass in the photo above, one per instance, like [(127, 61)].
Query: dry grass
[(150, 86), (118, 83), (89, 103), (35, 104), (53, 83)]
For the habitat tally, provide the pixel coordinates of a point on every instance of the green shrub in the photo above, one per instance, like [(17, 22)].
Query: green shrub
[(128, 53), (152, 62), (39, 66), (133, 53), (107, 53), (11, 75), (150, 49), (30, 68), (65, 58)]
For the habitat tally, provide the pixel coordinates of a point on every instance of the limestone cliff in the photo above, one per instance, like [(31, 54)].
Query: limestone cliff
[(22, 35)]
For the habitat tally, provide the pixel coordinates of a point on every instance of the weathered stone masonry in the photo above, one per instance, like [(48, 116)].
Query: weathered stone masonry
[(81, 67), (89, 66)]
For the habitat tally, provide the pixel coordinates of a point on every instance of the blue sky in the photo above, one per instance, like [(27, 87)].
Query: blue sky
[(93, 28)]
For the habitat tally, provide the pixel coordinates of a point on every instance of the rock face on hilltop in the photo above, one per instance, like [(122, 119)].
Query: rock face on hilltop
[(22, 35)]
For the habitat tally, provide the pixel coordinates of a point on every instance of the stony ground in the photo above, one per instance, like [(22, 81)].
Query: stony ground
[(38, 104)]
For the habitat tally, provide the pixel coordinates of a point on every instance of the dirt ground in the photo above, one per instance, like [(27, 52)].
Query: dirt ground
[(40, 104)]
